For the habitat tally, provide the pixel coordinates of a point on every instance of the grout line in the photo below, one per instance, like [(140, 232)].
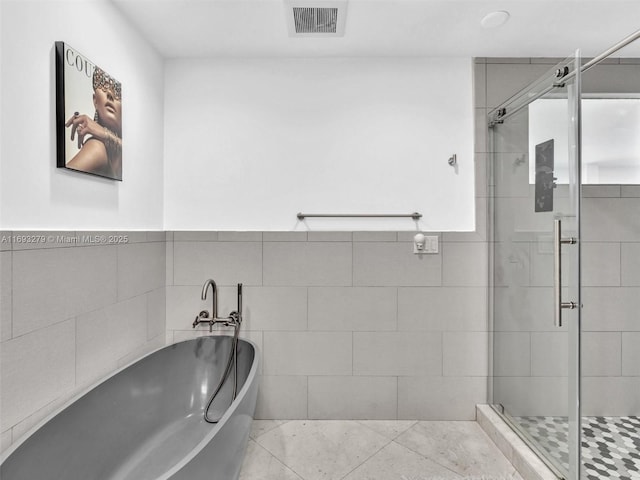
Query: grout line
[(75, 353), (306, 379), (390, 441), (11, 294), (279, 461), (397, 309), (397, 400)]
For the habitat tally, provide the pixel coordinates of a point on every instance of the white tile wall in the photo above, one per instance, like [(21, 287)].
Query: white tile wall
[(601, 265), (156, 313), (68, 328), (549, 354), (512, 263), (232, 262), (440, 398), (68, 281), (393, 264), (465, 354), (602, 354), (5, 296), (512, 354), (353, 308), (630, 264), (610, 396), (282, 397), (139, 270), (274, 308), (397, 353), (456, 261), (611, 220), (523, 309), (308, 353), (631, 354), (611, 309), (369, 397), (442, 309), (352, 311), (532, 395), (307, 263), (106, 335), (37, 368), (630, 191)]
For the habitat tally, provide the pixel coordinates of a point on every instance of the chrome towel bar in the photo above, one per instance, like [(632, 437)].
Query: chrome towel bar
[(415, 215)]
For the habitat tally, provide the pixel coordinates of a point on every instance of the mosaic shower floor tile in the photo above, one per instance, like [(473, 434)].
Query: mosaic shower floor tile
[(610, 445)]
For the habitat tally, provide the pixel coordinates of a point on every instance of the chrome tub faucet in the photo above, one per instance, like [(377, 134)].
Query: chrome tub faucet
[(233, 320)]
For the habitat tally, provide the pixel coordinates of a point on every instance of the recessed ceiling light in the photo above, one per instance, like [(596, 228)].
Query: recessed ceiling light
[(495, 19)]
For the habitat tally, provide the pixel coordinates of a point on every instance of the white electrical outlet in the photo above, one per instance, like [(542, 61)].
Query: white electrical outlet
[(425, 244)]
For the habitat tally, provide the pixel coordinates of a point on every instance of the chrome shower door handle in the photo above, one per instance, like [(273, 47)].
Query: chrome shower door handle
[(558, 241)]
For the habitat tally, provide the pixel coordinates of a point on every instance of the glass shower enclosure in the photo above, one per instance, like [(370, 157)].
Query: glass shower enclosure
[(535, 254)]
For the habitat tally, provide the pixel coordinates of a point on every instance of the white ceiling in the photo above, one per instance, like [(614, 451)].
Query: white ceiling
[(257, 28)]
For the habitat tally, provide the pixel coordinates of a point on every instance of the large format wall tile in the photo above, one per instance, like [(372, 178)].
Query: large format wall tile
[(532, 396), (610, 220), (156, 313), (610, 309), (397, 353), (275, 308), (369, 398), (631, 354), (394, 264), (549, 354), (523, 309), (630, 261), (352, 309), (601, 265), (282, 397), (5, 296), (440, 398), (307, 353), (141, 268), (464, 264), (228, 263), (601, 354), (183, 305), (465, 354), (55, 284), (442, 309), (106, 335), (307, 263), (511, 354), (610, 396), (37, 368)]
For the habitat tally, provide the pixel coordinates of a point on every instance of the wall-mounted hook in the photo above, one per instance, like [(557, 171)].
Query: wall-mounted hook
[(453, 160)]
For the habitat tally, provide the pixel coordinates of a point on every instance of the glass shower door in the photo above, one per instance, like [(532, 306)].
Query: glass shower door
[(535, 144)]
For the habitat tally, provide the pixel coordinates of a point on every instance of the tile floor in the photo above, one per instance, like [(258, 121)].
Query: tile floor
[(610, 445), (372, 450)]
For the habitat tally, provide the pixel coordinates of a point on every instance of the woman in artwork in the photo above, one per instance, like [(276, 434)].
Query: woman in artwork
[(100, 137)]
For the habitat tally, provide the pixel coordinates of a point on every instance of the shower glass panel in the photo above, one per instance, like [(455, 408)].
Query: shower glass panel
[(536, 278)]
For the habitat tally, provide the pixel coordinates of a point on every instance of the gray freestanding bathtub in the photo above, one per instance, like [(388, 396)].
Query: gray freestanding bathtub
[(146, 421)]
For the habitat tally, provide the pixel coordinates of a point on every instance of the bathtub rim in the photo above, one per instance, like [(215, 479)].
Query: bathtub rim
[(253, 371)]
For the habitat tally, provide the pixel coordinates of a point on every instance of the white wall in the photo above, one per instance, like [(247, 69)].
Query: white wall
[(251, 142), (36, 194)]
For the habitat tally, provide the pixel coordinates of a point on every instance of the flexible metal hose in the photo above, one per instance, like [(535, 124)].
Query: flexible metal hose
[(233, 359)]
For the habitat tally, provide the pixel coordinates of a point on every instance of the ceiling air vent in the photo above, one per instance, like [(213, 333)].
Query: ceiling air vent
[(315, 18)]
